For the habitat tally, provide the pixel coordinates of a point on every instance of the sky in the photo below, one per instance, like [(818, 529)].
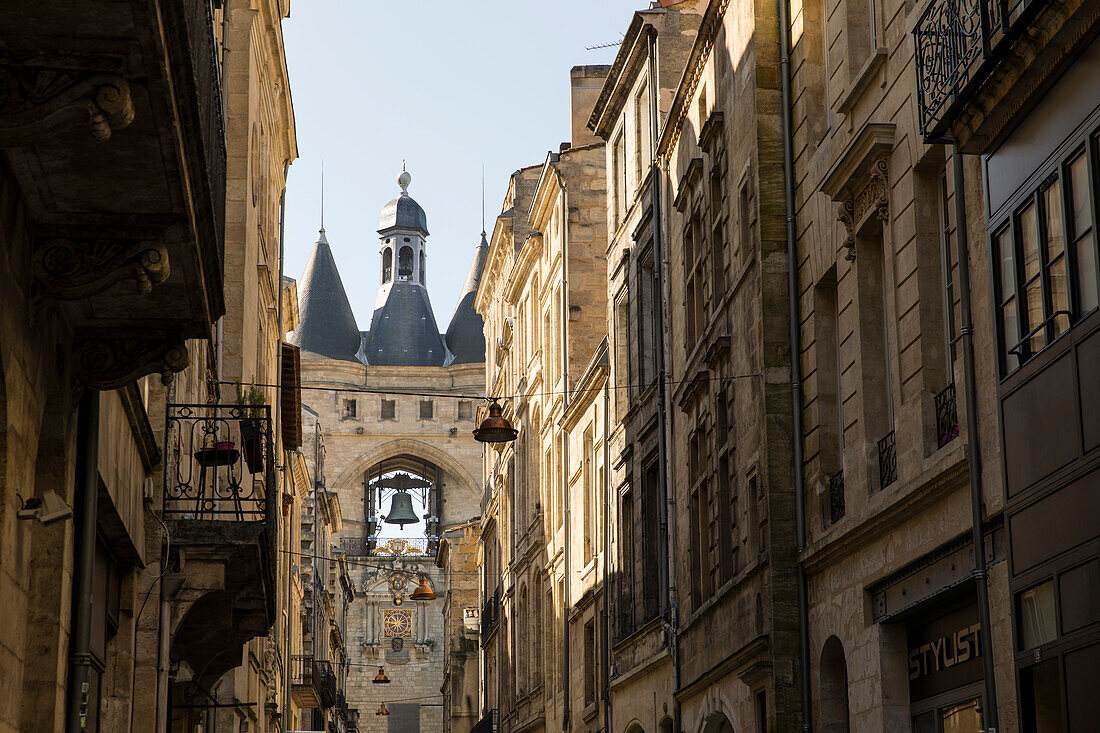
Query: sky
[(447, 86)]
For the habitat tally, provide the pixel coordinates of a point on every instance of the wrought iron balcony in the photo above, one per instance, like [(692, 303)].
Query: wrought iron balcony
[(490, 615), (313, 683), (836, 497), (389, 546), (220, 463), (947, 416), (887, 461), (957, 44)]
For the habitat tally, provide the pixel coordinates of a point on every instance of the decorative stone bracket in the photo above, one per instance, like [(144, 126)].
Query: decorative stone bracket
[(108, 362), (36, 101), (72, 268), (860, 181)]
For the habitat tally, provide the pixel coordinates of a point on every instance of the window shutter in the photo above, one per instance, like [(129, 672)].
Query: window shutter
[(291, 397)]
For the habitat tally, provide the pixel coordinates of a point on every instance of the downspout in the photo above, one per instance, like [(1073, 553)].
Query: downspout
[(664, 568), (606, 501), (796, 365), (565, 719), (966, 332), (278, 434), (87, 476)]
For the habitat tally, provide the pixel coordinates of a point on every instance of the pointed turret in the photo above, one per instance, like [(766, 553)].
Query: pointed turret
[(327, 325), (403, 330), (466, 334)]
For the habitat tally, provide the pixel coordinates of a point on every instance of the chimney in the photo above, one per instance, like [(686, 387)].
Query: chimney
[(585, 83)]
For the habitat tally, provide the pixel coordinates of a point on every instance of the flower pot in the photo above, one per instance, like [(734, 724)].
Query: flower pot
[(222, 453), (252, 432)]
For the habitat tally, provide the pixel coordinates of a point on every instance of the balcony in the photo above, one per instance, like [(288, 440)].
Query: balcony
[(389, 546), (312, 682), (947, 416), (980, 62), (219, 473), (490, 616), (120, 154)]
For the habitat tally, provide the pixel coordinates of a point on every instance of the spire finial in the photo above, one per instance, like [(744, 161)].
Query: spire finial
[(404, 180), (483, 199), (322, 195)]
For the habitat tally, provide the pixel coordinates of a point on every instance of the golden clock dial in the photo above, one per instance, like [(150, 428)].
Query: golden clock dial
[(397, 624)]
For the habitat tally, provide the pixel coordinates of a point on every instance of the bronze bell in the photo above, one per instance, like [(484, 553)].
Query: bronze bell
[(495, 428), (401, 510)]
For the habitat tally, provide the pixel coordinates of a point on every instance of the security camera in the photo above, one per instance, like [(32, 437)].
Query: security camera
[(48, 509)]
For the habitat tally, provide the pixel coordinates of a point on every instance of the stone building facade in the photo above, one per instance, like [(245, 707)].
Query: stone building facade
[(544, 302), (394, 407)]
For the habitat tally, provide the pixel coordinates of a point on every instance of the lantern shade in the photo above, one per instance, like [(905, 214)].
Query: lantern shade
[(381, 678), (401, 510), (495, 428), (423, 591)]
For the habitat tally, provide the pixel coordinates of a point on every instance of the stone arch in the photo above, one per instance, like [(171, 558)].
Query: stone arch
[(387, 265), (665, 725), (423, 268), (635, 726), (834, 687), (405, 263), (716, 722)]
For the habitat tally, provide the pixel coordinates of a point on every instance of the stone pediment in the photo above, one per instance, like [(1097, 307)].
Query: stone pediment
[(859, 180)]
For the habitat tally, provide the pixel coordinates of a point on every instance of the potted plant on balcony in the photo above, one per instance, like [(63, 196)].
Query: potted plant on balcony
[(251, 401)]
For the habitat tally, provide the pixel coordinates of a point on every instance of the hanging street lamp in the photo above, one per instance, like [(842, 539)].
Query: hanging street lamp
[(382, 710), (495, 428), (423, 591)]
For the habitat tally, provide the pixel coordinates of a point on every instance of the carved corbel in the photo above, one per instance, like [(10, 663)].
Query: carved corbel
[(36, 101), (71, 268), (873, 196), (107, 362)]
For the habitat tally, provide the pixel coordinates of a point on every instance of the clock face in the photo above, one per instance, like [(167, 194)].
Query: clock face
[(397, 624), (398, 582)]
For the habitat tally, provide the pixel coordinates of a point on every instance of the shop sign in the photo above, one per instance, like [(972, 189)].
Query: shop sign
[(944, 653)]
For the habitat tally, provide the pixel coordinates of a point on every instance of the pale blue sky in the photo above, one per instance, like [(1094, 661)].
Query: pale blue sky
[(448, 86)]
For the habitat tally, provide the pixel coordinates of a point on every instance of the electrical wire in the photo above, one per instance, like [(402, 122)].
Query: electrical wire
[(461, 396)]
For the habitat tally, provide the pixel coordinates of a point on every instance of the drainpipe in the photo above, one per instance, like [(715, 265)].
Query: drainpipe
[(796, 365), (566, 509), (278, 437), (966, 332), (664, 568), (605, 650), (87, 476)]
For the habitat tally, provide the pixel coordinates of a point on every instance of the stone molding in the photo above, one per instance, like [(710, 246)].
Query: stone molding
[(860, 180), (37, 101), (73, 268), (109, 361)]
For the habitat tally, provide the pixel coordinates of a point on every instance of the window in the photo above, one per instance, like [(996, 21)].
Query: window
[(642, 133), (405, 263), (694, 300), (427, 410), (588, 486), (950, 265), (389, 409), (350, 408), (874, 296), (624, 389), (423, 267), (830, 368), (465, 410), (747, 220), (762, 712), (1037, 616), (1046, 274), (652, 532), (387, 264), (589, 663), (647, 322), (618, 181), (626, 564)]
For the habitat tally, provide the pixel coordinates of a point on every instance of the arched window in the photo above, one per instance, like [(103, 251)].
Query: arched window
[(834, 687), (387, 264), (423, 268), (405, 263)]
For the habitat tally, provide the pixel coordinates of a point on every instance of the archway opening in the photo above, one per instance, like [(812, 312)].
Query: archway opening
[(402, 507), (834, 687), (387, 264), (405, 263)]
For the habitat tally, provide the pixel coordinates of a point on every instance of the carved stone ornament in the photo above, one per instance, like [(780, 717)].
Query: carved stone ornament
[(107, 363), (71, 268), (874, 195), (36, 101)]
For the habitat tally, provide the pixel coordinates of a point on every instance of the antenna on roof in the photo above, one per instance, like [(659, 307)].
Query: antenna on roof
[(605, 45)]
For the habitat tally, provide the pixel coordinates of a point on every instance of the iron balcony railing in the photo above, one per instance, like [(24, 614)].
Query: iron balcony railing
[(389, 546), (947, 416), (490, 615), (219, 462), (836, 497), (957, 44), (887, 460), (315, 673)]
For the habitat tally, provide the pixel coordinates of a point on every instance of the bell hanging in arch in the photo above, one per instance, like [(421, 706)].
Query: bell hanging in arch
[(401, 510)]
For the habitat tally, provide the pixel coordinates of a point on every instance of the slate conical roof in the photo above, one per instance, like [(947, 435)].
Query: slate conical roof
[(466, 334), (327, 325), (403, 330)]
